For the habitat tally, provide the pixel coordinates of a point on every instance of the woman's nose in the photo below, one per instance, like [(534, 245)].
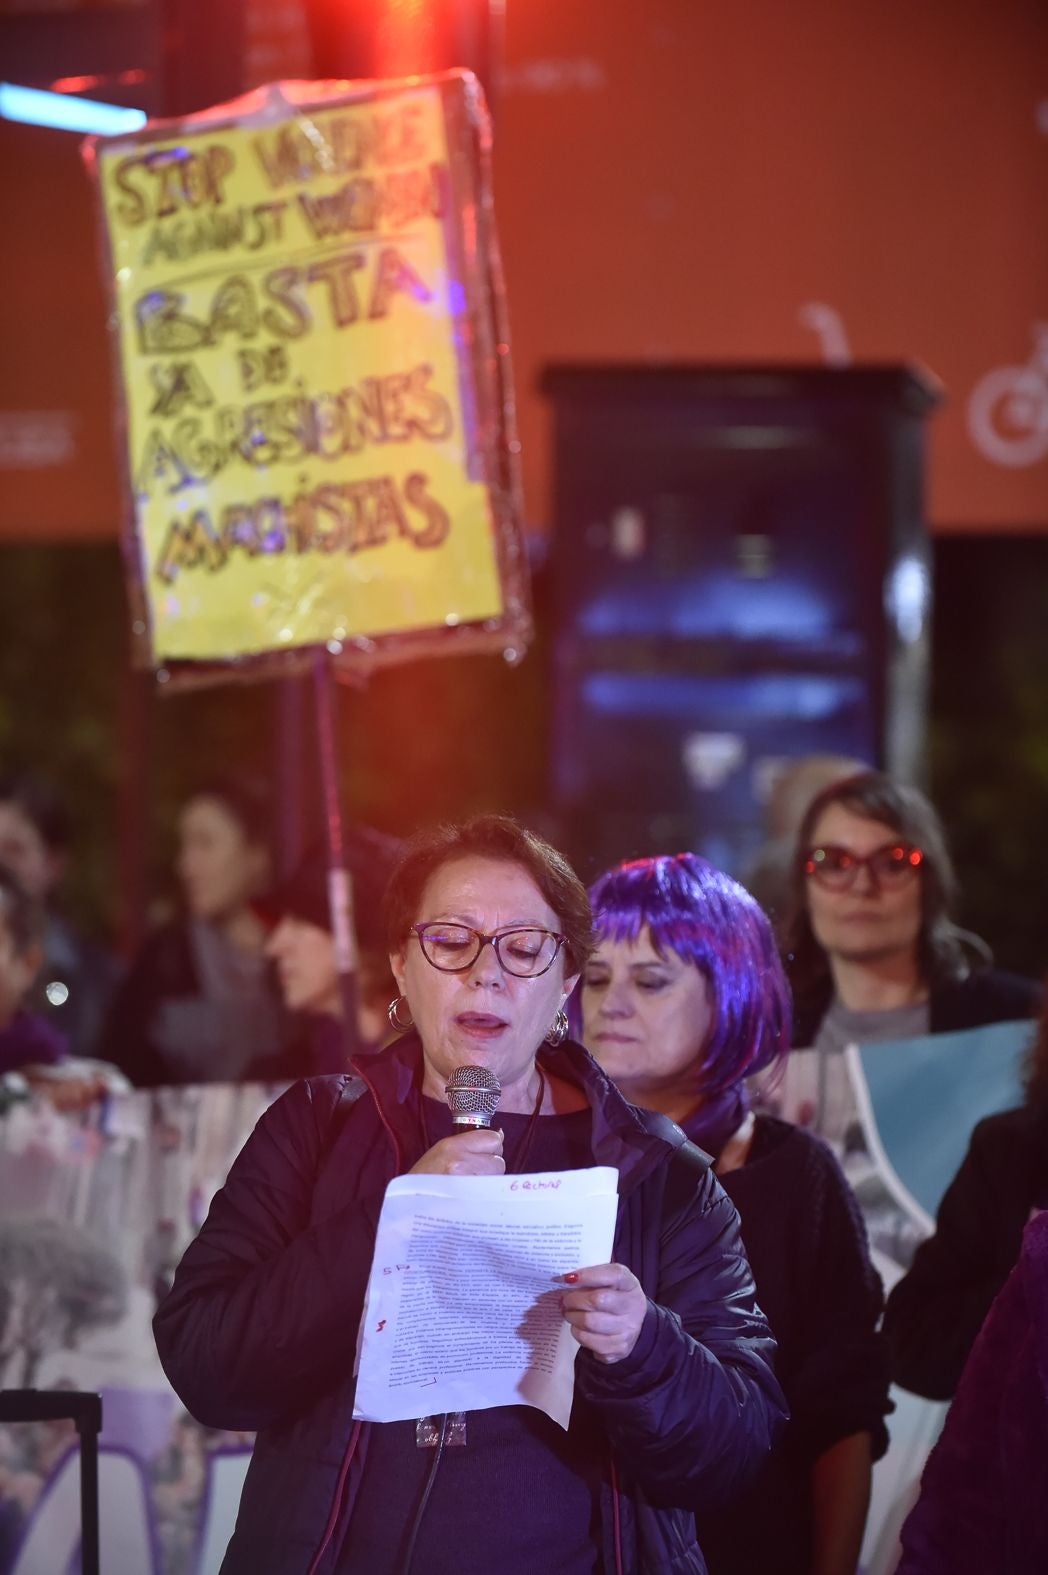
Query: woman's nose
[(616, 1001), (865, 880), (487, 969)]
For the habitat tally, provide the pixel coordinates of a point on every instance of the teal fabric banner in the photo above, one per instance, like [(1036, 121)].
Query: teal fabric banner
[(925, 1096)]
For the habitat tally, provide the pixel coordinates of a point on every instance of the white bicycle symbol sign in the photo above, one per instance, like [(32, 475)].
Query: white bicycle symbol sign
[(1008, 409)]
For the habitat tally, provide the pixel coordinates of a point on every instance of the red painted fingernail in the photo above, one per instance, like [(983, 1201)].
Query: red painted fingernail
[(571, 1278)]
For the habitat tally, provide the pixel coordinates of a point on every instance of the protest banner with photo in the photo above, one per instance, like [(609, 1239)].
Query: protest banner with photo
[(95, 1212), (317, 436), (898, 1113)]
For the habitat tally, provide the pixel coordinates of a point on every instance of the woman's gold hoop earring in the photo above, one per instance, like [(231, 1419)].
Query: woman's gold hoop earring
[(559, 1032), (393, 1013)]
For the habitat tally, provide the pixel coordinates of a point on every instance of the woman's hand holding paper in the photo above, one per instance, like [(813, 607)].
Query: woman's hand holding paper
[(605, 1307)]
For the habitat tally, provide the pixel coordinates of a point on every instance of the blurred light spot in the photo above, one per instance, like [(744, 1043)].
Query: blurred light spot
[(907, 595), (38, 108)]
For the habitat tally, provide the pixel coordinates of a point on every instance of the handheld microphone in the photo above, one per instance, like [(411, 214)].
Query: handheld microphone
[(473, 1094)]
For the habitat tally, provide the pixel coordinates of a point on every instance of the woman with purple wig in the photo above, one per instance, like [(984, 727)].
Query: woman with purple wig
[(683, 1000)]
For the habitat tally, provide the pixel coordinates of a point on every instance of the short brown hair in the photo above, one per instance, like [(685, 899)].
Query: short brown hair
[(497, 837)]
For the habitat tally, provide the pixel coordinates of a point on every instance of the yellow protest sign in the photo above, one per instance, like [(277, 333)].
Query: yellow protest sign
[(305, 295)]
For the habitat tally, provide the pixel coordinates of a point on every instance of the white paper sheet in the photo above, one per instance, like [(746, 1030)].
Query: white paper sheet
[(462, 1311)]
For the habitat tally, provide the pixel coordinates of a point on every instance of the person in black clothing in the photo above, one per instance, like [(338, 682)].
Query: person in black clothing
[(674, 1397), (26, 1038), (33, 1051), (683, 999), (76, 977), (870, 948), (302, 947), (982, 1508), (200, 1003), (936, 1310)]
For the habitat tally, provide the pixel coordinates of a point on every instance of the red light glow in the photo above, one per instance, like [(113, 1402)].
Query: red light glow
[(86, 84), (407, 39)]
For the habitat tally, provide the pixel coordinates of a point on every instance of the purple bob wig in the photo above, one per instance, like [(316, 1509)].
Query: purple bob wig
[(694, 910)]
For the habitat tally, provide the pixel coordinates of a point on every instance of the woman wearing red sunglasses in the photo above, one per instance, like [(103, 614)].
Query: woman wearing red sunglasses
[(871, 950)]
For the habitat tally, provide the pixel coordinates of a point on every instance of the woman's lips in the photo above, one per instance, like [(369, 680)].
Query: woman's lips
[(608, 1038), (481, 1025)]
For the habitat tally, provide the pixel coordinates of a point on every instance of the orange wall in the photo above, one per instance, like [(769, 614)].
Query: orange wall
[(676, 179), (55, 386)]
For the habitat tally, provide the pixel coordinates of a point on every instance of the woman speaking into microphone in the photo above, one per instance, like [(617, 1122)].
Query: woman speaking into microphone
[(675, 1402)]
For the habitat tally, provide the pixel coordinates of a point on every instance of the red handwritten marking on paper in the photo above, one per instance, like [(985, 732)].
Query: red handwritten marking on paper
[(380, 1326), (535, 1186), (401, 1267), (427, 1383)]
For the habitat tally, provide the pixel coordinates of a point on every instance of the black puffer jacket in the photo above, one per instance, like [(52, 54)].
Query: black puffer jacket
[(259, 1328), (937, 1309)]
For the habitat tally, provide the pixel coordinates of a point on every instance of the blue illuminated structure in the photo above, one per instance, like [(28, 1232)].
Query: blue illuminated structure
[(738, 577)]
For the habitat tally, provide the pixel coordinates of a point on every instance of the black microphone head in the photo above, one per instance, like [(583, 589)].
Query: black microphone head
[(472, 1093)]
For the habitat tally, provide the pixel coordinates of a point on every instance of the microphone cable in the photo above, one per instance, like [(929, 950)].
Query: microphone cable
[(431, 1477), (472, 1094)]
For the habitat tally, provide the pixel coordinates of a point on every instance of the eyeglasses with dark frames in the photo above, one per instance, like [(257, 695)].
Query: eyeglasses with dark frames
[(894, 864), (526, 952)]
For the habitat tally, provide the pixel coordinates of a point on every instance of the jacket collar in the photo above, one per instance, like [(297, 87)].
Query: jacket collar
[(620, 1139)]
